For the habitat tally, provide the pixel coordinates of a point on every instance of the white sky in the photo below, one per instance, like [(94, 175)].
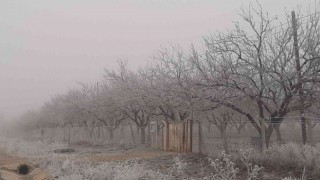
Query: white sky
[(47, 46)]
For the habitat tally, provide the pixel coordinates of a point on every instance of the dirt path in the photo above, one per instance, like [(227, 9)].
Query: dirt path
[(9, 164), (6, 159), (106, 157)]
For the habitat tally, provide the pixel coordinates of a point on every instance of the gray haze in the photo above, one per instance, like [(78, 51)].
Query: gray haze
[(47, 46)]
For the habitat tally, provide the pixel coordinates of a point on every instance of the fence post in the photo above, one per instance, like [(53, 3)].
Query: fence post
[(200, 137), (165, 136)]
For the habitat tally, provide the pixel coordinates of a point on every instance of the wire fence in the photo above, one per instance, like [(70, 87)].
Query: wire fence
[(207, 139), (214, 141)]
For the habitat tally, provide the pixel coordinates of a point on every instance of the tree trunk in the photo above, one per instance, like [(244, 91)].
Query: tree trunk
[(122, 131), (99, 132), (310, 132), (176, 115), (239, 130), (64, 135), (143, 134), (111, 135), (54, 134), (90, 132), (149, 135), (209, 127), (264, 144), (303, 130), (224, 138), (42, 135), (278, 133), (132, 135), (103, 130), (69, 136), (200, 143), (268, 134), (138, 129)]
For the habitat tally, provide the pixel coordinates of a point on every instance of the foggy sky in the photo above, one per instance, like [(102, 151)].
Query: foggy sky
[(47, 46)]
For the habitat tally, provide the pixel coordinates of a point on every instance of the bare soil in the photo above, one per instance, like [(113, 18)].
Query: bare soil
[(9, 164), (198, 165)]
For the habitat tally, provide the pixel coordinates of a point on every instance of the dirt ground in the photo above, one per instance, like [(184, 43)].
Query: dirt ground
[(198, 165), (9, 164), (105, 157)]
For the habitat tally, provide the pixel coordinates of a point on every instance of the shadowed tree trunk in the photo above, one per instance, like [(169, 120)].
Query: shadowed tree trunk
[(310, 127), (138, 129), (209, 127), (111, 135), (132, 134), (278, 133), (143, 134), (200, 143), (225, 141)]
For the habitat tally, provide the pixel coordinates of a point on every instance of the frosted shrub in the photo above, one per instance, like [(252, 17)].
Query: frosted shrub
[(58, 167), (71, 168), (224, 169), (26, 148), (179, 165), (71, 177), (102, 171), (293, 156), (131, 170), (252, 170), (311, 157), (31, 148), (290, 178), (177, 169), (290, 153), (303, 176)]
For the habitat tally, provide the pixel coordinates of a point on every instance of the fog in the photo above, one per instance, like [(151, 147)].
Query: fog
[(47, 46)]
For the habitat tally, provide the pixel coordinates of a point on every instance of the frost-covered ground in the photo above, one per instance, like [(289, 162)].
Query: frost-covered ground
[(129, 162)]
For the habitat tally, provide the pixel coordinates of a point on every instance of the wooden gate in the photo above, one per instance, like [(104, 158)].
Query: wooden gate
[(177, 136)]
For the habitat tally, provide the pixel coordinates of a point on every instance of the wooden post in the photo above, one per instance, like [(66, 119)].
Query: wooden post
[(185, 137), (156, 133), (298, 69), (200, 137), (69, 136), (165, 136), (189, 136)]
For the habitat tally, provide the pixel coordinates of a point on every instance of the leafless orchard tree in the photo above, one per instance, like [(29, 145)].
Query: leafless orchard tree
[(258, 65), (249, 72), (131, 89), (220, 118), (238, 122), (98, 104), (170, 74)]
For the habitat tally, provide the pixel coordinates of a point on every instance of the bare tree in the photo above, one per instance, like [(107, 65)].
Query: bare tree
[(256, 66), (221, 118), (239, 123)]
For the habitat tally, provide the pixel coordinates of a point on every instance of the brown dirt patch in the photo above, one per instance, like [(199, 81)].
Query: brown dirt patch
[(106, 157), (9, 164)]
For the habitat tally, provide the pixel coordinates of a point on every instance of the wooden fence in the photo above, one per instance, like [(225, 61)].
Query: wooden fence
[(177, 136)]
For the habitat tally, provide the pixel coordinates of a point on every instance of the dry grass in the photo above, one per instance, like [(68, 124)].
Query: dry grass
[(289, 159)]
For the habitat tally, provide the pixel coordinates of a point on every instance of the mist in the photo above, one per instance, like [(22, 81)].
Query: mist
[(47, 47)]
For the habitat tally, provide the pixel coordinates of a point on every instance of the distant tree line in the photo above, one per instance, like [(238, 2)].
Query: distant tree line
[(247, 75)]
